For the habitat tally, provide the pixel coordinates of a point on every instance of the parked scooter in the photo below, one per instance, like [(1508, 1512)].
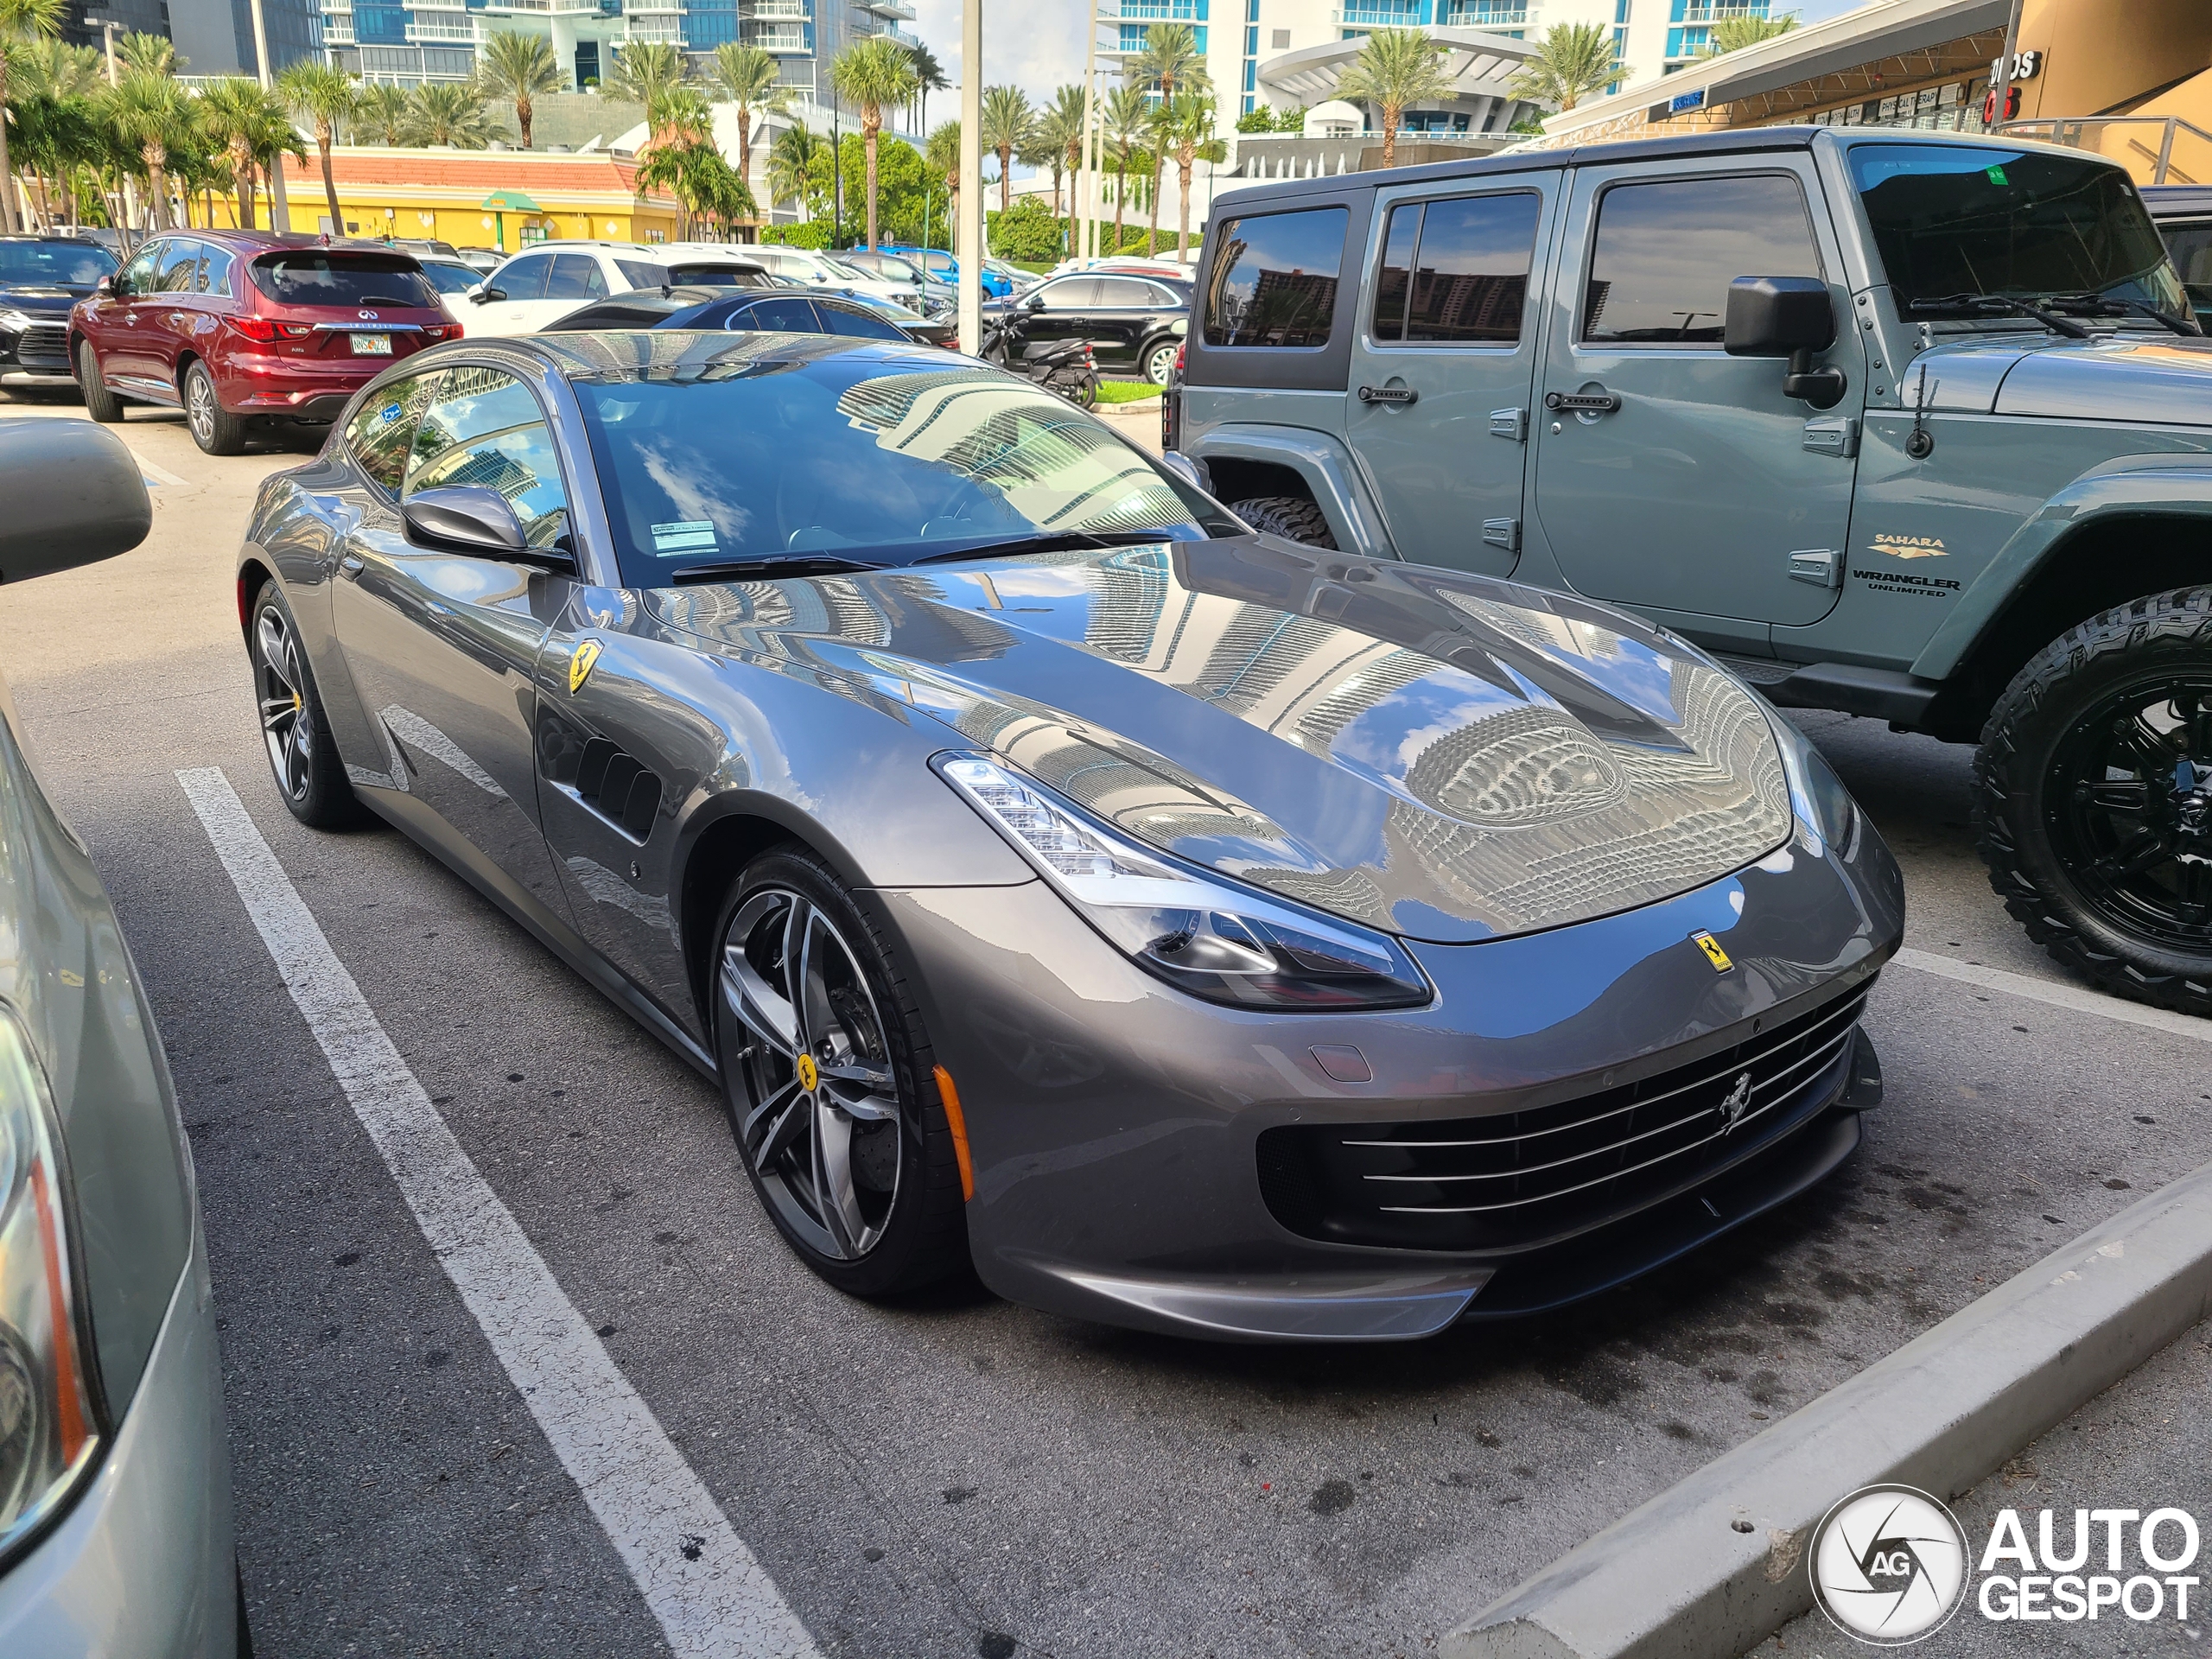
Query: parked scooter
[(1066, 366)]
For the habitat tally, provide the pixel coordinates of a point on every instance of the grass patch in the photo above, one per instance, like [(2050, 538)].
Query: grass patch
[(1125, 391)]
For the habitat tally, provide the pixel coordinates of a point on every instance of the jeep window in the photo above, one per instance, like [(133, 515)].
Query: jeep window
[(1274, 281), (1949, 219), (1666, 252), (1456, 271)]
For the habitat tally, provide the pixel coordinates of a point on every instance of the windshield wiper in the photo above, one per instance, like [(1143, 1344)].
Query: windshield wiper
[(794, 565), (2002, 305), (1057, 543), (2111, 305)]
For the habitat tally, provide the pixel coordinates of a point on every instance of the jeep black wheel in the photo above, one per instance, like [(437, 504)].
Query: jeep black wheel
[(1291, 517), (2093, 800)]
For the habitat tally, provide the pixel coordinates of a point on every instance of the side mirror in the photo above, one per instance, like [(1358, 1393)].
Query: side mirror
[(1194, 473), (484, 294), (1035, 302), (466, 518), (1791, 317), (74, 493), (1180, 326), (105, 287)]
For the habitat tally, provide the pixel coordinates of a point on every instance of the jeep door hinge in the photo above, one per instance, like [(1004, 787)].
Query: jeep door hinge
[(1511, 424), (1833, 435), (1503, 532), (1822, 566)]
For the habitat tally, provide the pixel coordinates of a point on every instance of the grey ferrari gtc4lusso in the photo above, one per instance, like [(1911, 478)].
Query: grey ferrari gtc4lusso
[(1196, 930)]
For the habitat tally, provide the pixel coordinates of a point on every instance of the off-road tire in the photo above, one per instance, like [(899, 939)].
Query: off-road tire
[(1291, 517), (925, 1236), (2011, 773), (100, 403)]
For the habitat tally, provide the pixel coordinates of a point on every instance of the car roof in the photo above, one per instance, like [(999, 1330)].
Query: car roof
[(638, 351), (45, 236), (287, 242), (632, 309), (2175, 200)]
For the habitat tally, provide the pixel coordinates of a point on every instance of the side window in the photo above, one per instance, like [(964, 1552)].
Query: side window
[(638, 274), (2190, 244), (1071, 294), (1456, 271), (1163, 298), (1124, 292), (851, 320), (180, 267), (384, 427), (1274, 281), (576, 277), (523, 279), (1665, 252), (215, 270), (792, 316), (138, 275), (485, 428)]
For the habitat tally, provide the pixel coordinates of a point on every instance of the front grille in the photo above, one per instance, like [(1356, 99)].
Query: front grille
[(44, 346), (1518, 1179)]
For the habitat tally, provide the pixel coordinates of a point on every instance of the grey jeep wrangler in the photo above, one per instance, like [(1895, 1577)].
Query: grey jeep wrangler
[(1908, 426)]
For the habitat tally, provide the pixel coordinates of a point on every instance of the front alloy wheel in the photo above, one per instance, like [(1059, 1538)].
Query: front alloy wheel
[(2093, 800), (821, 1079), (304, 761)]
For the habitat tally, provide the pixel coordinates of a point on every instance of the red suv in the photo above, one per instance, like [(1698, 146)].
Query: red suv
[(232, 325)]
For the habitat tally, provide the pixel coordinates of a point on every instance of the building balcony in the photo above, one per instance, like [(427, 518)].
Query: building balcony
[(777, 37), (1717, 12), (893, 9), (439, 31), (338, 31), (1149, 11), (1485, 16), (1357, 17), (799, 11), (665, 29)]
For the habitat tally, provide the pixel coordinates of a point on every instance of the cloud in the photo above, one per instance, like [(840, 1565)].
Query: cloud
[(1036, 44)]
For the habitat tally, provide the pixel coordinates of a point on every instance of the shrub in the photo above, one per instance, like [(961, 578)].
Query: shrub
[(1027, 231)]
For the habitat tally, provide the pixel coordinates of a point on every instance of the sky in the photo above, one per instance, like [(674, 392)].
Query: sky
[(1038, 44)]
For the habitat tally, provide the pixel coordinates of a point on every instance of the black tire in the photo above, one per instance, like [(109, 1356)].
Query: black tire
[(1158, 362), (100, 403), (245, 1630), (302, 756), (2110, 873), (214, 429), (921, 1233), (1291, 517)]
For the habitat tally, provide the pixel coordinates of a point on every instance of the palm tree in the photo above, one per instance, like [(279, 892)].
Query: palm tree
[(514, 68), (57, 128), (1396, 69), (149, 112), (1007, 119), (383, 112), (682, 115), (929, 77), (1171, 60), (645, 72), (1160, 137), (231, 113), (1122, 119), (448, 114), (1734, 34), (1570, 62), (149, 53), (1057, 139), (795, 159), (704, 185), (327, 95), (20, 20), (872, 73), (943, 157), (747, 78), (1191, 130)]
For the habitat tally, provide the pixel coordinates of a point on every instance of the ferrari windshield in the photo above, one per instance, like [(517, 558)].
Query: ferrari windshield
[(1969, 221), (713, 452)]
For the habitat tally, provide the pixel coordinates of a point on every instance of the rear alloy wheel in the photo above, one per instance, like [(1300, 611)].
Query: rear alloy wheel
[(828, 1082), (100, 403), (214, 429), (309, 775), (1160, 363), (1291, 517), (2093, 800)]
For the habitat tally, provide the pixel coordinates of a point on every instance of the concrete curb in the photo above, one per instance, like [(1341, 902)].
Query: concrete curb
[(1677, 1579)]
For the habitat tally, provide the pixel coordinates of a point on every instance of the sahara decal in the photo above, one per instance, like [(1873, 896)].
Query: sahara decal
[(1909, 547)]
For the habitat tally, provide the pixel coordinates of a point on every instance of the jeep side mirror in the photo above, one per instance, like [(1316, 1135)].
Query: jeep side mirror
[(1791, 317)]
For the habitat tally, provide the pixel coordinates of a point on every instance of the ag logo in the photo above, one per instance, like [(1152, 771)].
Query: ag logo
[(1888, 1565), (580, 665)]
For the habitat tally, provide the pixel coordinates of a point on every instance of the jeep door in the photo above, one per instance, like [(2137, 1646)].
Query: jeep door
[(1671, 477), (1443, 362)]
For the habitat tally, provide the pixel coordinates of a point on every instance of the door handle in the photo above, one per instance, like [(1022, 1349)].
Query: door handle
[(176, 319), (351, 565), (1397, 397), (1583, 403)]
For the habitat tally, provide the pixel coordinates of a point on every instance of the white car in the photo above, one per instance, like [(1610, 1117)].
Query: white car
[(548, 280), (817, 271)]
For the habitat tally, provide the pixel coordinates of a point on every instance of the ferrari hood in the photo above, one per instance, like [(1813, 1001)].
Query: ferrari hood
[(1439, 755)]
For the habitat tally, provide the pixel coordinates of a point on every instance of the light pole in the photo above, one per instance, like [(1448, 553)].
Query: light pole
[(280, 209), (1084, 247), (969, 239)]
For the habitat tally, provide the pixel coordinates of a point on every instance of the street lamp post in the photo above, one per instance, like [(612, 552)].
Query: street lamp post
[(969, 239), (1088, 186)]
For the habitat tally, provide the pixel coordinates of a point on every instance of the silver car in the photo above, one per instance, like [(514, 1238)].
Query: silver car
[(115, 1483)]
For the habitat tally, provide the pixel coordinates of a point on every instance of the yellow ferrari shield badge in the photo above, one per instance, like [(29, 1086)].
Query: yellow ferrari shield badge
[(580, 665), (808, 1074), (1714, 953)]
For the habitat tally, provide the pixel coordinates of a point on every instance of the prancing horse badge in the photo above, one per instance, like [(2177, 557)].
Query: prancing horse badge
[(580, 665), (1714, 953)]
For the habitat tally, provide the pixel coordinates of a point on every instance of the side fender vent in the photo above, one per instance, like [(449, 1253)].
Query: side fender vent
[(616, 785)]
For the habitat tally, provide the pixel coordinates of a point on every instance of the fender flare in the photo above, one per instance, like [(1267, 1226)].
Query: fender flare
[(1325, 464), (2175, 487)]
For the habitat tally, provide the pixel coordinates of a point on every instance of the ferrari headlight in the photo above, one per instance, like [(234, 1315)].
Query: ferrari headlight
[(1816, 794), (1203, 934), (47, 1427)]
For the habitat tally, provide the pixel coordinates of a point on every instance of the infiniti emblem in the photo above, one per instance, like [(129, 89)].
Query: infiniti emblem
[(1739, 1102), (368, 317)]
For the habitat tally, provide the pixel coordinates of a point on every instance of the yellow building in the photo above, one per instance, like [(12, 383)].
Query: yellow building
[(473, 198)]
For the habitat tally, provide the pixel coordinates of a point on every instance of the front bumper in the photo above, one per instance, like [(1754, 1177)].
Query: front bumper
[(1115, 1126), (142, 1563), (42, 350)]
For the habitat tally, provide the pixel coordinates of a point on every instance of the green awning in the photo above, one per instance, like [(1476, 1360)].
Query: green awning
[(510, 201)]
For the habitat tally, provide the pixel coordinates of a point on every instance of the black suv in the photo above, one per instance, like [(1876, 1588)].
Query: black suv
[(1128, 317), (40, 278)]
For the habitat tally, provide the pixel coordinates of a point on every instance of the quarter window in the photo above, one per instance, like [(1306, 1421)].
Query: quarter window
[(1275, 279), (384, 427), (484, 428), (1124, 293), (1666, 252), (794, 316), (576, 277), (180, 266), (215, 270), (851, 320), (1456, 271), (638, 274)]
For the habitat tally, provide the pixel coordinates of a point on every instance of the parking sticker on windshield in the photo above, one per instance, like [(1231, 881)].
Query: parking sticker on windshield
[(694, 537)]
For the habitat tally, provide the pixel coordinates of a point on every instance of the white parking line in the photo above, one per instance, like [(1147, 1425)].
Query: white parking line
[(712, 1598), (2071, 997)]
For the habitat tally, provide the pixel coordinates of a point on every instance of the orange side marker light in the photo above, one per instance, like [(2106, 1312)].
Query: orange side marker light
[(958, 1124)]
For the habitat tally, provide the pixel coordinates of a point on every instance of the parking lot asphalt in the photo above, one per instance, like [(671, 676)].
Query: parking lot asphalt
[(949, 1475)]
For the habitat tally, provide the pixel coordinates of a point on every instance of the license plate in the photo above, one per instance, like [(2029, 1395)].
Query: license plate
[(371, 345)]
